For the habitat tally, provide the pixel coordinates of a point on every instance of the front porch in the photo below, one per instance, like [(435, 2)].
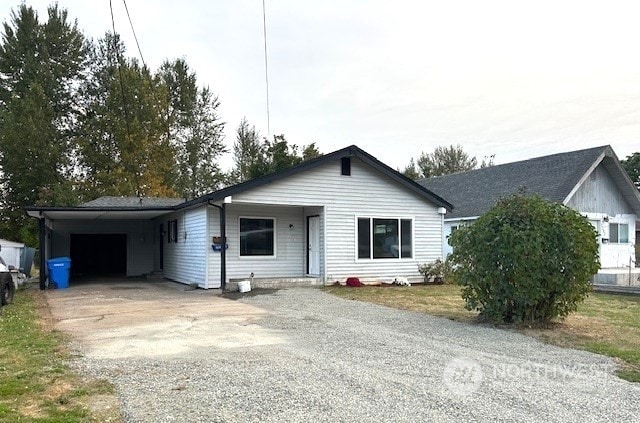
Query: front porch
[(276, 283)]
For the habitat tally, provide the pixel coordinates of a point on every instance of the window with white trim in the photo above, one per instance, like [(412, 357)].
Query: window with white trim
[(257, 236), (380, 238), (619, 233)]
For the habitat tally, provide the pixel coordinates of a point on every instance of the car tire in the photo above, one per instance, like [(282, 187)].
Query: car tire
[(8, 289)]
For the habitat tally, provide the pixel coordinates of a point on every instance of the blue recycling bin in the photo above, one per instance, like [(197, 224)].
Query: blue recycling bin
[(59, 269)]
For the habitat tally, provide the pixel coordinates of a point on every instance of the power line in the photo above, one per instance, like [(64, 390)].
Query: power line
[(119, 59), (153, 91), (124, 100), (135, 37), (266, 72)]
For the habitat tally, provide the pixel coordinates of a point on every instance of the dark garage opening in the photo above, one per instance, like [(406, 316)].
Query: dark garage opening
[(98, 254)]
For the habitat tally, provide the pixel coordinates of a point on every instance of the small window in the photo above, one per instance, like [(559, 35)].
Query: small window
[(346, 166), (172, 230), (619, 233), (257, 237)]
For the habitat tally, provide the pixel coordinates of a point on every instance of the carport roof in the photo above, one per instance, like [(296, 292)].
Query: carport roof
[(133, 202), (105, 208)]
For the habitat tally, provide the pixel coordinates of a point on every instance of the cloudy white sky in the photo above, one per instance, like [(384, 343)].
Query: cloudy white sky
[(514, 79)]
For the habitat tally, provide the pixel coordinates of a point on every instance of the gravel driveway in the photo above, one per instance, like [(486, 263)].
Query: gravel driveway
[(303, 355)]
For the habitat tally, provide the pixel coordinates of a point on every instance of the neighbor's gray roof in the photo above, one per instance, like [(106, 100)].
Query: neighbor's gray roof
[(553, 177), (141, 202)]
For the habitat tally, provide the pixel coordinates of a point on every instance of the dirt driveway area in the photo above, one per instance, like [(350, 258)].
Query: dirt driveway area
[(303, 355)]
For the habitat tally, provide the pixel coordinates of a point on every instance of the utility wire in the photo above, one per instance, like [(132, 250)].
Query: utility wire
[(135, 37), (124, 101), (266, 72), (153, 91)]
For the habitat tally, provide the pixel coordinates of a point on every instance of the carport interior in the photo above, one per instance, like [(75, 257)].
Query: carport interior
[(98, 254)]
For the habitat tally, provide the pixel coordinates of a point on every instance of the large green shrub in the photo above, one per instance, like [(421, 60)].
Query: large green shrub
[(525, 260)]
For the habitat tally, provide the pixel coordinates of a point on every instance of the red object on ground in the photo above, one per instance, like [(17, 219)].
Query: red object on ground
[(355, 282)]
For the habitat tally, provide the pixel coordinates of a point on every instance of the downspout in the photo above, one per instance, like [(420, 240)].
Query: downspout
[(442, 211), (223, 250)]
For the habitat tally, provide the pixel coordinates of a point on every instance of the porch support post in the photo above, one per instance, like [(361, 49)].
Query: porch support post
[(43, 252), (223, 252), (223, 249)]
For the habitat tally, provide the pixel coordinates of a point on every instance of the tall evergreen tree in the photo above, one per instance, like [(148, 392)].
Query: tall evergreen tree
[(41, 67)]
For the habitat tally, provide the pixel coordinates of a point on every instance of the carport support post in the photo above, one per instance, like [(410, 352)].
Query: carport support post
[(43, 252)]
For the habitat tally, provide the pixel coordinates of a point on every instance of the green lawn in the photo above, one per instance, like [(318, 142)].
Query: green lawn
[(36, 384), (604, 324)]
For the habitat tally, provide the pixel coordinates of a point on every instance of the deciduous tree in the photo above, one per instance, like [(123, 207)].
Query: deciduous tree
[(445, 160)]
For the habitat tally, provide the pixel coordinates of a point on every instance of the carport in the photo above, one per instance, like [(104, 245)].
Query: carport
[(110, 236)]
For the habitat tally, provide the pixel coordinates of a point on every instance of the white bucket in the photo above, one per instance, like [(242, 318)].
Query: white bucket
[(244, 286)]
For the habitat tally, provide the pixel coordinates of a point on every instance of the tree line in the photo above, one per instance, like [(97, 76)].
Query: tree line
[(80, 119)]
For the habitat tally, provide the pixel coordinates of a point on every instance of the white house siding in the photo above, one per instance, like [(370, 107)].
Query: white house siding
[(366, 193), (139, 239), (185, 260), (446, 248), (614, 255), (601, 201), (599, 194), (289, 260)]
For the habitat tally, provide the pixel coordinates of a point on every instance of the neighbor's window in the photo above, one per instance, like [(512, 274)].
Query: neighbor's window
[(384, 238), (257, 236), (619, 233)]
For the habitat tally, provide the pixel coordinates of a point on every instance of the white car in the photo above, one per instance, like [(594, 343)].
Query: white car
[(7, 284)]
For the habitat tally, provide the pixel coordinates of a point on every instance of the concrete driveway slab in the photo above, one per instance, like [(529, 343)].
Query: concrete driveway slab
[(154, 319)]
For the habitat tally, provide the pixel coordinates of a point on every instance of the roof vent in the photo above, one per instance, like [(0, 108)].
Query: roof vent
[(346, 166)]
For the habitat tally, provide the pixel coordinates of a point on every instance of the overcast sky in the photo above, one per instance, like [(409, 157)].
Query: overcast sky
[(512, 78)]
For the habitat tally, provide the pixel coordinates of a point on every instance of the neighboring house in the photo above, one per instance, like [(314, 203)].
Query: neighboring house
[(340, 215), (591, 181)]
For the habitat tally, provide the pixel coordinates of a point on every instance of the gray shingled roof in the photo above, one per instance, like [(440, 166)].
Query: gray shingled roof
[(133, 202), (553, 177)]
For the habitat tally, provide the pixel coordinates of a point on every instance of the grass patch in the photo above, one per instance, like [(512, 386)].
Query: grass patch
[(36, 384), (604, 324)]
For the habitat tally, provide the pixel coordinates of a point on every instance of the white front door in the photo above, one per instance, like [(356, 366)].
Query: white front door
[(313, 245)]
